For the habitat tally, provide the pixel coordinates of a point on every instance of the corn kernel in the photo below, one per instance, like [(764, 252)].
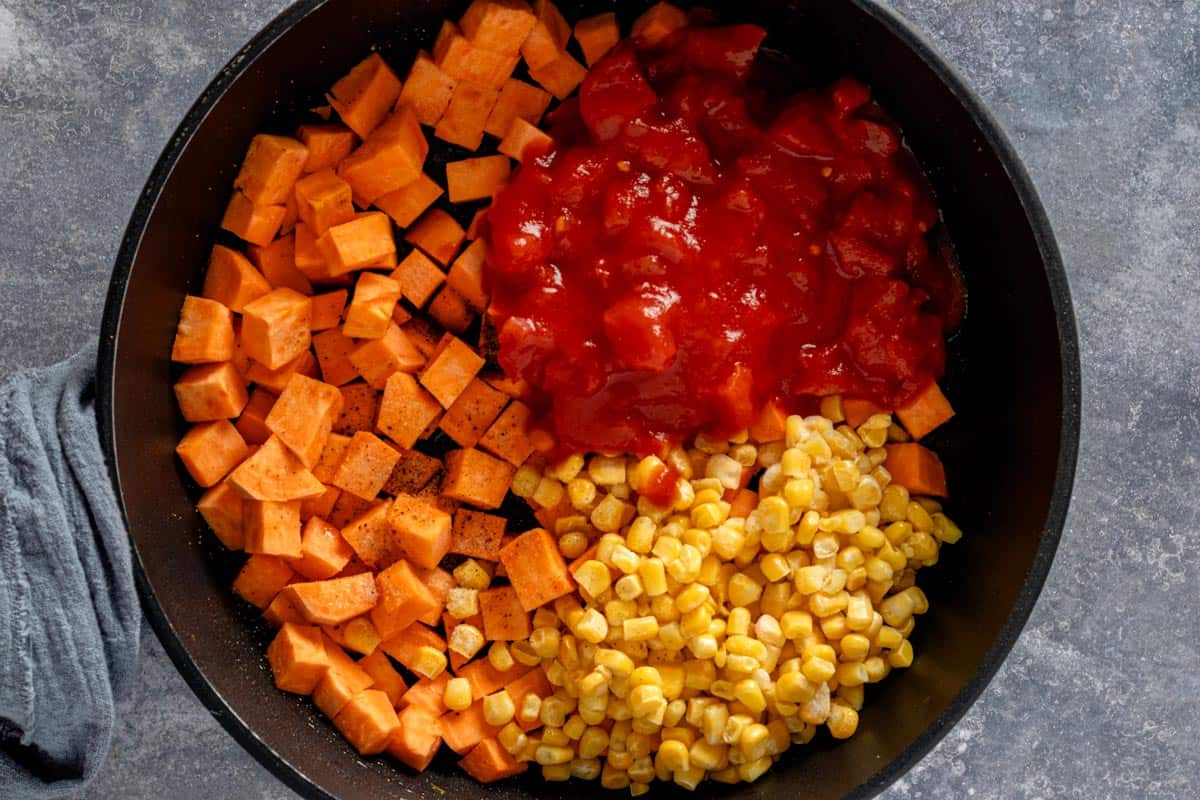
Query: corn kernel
[(428, 662), (609, 513), (607, 470), (499, 657), (512, 738), (743, 591), (751, 771), (843, 721), (902, 656), (549, 492), (592, 627), (640, 629), (466, 640), (654, 576), (593, 577), (457, 694), (472, 575), (750, 695), (581, 493), (525, 482), (818, 670), (462, 603)]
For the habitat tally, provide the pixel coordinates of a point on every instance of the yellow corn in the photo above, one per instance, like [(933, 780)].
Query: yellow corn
[(428, 662)]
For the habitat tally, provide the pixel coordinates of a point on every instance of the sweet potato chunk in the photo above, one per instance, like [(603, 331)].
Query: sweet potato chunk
[(657, 23), (561, 76), (404, 646), (232, 280), (499, 25), (463, 60), (438, 235), (925, 412), (270, 169), (378, 359), (427, 694), (371, 537), (408, 202), (423, 530), (331, 456), (450, 369), (360, 405), (333, 601), (476, 178), (477, 534), (210, 450), (274, 380), (255, 224), (406, 410), (365, 466), (359, 243), (276, 327), (327, 143), (463, 730), (323, 551), (524, 141), (486, 679), (467, 114), (474, 477), (277, 262), (489, 762), (327, 310), (211, 391), (272, 528), (364, 96), (321, 505), (303, 416), (385, 676), (221, 507), (417, 738), (536, 568), (297, 657), (517, 100), (508, 437), (390, 158), (368, 721), (261, 578), (419, 277), (597, 35), (504, 618), (205, 332), (532, 682), (916, 468), (466, 275), (473, 413), (323, 200), (275, 473), (427, 90), (548, 38), (280, 611), (370, 313), (402, 598), (333, 349), (451, 311), (339, 686), (413, 472)]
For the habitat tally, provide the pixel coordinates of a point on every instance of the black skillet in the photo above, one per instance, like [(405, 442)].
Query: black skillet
[(1013, 376)]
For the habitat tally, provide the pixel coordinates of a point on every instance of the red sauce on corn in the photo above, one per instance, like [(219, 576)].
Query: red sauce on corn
[(693, 246)]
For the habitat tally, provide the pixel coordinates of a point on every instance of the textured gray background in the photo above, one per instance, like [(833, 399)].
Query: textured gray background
[(1101, 98)]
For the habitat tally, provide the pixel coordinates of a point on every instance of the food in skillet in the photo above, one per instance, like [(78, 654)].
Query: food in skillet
[(696, 331)]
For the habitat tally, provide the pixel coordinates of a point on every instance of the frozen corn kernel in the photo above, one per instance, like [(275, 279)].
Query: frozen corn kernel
[(457, 694), (499, 657), (428, 662), (607, 470), (466, 640), (462, 603), (593, 577), (525, 482)]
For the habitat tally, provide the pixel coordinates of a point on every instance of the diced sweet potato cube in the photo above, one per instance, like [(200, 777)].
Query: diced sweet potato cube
[(333, 350), (517, 100), (402, 598), (255, 224), (327, 143), (476, 478), (323, 551), (339, 686), (364, 97), (232, 280), (424, 334), (451, 311), (211, 391), (349, 511), (390, 158), (499, 25), (476, 178), (513, 387), (404, 646), (438, 235), (771, 423), (417, 738), (462, 60), (427, 694), (419, 277), (333, 601), (536, 568), (365, 466), (916, 468), (297, 657), (303, 416), (221, 507), (372, 537), (360, 405), (276, 327), (467, 114), (856, 410), (261, 578), (210, 450), (466, 275), (205, 332), (275, 473), (378, 359), (925, 412), (413, 472), (321, 505), (331, 456), (561, 76), (407, 203), (486, 679), (281, 611), (597, 35), (524, 141), (504, 618), (272, 528), (277, 262), (450, 369), (477, 534), (275, 380), (356, 244), (440, 582), (657, 23), (327, 310), (422, 529), (508, 437), (741, 502), (309, 260), (463, 730), (368, 721), (406, 410), (323, 200), (426, 91), (489, 762), (476, 226), (548, 38), (473, 413), (370, 313), (270, 169), (385, 676)]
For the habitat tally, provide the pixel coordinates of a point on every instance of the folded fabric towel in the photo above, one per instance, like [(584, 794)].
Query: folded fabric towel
[(69, 614)]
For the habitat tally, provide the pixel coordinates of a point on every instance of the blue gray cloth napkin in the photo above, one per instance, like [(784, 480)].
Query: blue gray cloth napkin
[(69, 613)]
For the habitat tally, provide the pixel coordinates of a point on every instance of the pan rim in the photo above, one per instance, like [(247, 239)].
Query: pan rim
[(1056, 514)]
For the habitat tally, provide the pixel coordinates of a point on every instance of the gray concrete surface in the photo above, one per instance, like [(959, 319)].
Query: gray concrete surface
[(1101, 98)]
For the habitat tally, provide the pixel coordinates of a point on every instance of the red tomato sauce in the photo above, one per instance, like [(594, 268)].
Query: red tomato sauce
[(693, 246)]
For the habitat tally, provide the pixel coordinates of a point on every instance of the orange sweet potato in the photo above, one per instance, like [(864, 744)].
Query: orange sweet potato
[(309, 261), (256, 224), (327, 310), (476, 178), (205, 332), (858, 411), (532, 682), (211, 391), (385, 676), (323, 551), (427, 90), (916, 468), (274, 380), (466, 275), (422, 529), (489, 762), (451, 311), (321, 505), (323, 200), (463, 730), (771, 424), (517, 100), (419, 277), (498, 25), (277, 262), (232, 280), (221, 507), (412, 473), (464, 61), (274, 473), (473, 413), (261, 578), (597, 35), (350, 513), (280, 611), (408, 202), (360, 405), (370, 313), (743, 501), (450, 370), (368, 721), (402, 598), (504, 618), (508, 437), (404, 645), (339, 686), (406, 410), (466, 115), (335, 600), (331, 456), (657, 23), (424, 334), (417, 738), (356, 244), (303, 416), (333, 349), (561, 76), (476, 478), (536, 568), (276, 327), (371, 537), (376, 360), (486, 679), (270, 169), (365, 466), (524, 140), (297, 657), (272, 528), (327, 143), (438, 235), (210, 450), (925, 412), (390, 158), (364, 96), (548, 38), (477, 534)]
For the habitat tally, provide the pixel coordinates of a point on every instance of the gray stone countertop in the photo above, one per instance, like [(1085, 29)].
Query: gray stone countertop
[(1102, 100)]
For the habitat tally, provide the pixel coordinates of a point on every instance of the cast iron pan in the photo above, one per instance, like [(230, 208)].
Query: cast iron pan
[(1013, 376)]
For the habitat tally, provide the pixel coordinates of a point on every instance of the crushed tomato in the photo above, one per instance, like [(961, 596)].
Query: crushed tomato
[(693, 246)]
